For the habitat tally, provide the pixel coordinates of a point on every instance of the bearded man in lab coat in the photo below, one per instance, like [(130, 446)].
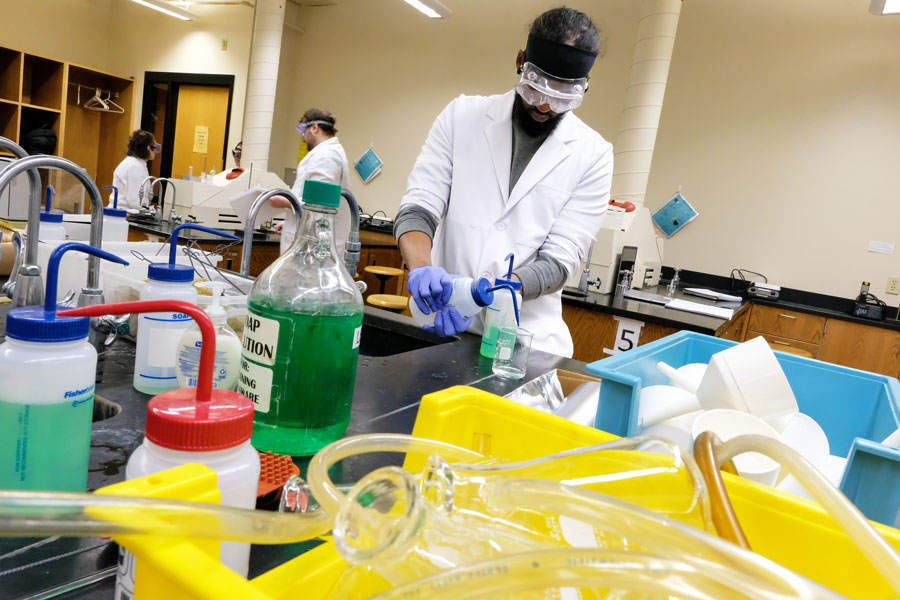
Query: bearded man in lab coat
[(517, 172), (325, 161)]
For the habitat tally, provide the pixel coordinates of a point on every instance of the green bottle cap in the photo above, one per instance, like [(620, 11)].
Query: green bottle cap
[(321, 193)]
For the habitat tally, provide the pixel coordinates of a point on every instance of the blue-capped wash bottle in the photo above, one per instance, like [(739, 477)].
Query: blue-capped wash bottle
[(47, 370)]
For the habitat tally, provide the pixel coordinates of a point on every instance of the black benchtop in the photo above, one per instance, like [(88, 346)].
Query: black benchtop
[(812, 303), (386, 398), (164, 229)]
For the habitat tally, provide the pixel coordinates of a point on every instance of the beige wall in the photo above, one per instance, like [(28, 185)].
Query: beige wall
[(73, 30), (145, 40), (386, 72), (782, 122)]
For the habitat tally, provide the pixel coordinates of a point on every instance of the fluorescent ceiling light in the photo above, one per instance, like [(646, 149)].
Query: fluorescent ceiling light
[(432, 9), (166, 8), (884, 7)]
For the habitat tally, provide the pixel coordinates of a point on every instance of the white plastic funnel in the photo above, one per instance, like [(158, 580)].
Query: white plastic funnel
[(747, 377)]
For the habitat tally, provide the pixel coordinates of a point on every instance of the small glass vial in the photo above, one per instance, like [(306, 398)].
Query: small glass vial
[(624, 284), (673, 284)]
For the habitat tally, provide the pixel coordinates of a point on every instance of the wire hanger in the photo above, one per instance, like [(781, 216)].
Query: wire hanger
[(96, 102), (112, 106)]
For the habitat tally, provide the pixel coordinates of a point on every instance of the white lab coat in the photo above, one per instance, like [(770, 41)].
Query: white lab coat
[(326, 162), (127, 178), (462, 177)]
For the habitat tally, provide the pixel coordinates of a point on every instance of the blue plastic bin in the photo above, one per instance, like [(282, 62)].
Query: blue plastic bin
[(872, 481), (847, 403)]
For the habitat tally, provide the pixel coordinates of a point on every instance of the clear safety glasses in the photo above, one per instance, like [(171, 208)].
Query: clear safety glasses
[(537, 87), (156, 147), (301, 127)]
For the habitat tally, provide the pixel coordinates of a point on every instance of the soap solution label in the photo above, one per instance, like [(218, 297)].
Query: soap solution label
[(255, 382), (260, 339)]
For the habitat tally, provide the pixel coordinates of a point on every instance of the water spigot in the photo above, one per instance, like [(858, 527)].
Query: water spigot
[(25, 286), (352, 247), (250, 223)]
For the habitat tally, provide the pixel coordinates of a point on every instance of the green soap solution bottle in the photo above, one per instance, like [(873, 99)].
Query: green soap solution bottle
[(301, 337), (312, 377)]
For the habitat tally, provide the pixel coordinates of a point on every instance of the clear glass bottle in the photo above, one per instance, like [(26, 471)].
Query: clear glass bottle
[(301, 337)]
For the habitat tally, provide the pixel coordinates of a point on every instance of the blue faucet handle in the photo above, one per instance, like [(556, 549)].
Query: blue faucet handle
[(173, 242)]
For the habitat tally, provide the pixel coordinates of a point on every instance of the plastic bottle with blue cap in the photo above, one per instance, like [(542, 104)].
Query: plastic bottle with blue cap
[(469, 297), (51, 222), (47, 372), (115, 225), (503, 312), (158, 334)]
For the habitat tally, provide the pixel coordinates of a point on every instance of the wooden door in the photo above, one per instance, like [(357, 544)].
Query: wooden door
[(199, 106)]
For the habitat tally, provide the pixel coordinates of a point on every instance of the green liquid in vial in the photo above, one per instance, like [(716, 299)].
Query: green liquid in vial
[(312, 378), (45, 446)]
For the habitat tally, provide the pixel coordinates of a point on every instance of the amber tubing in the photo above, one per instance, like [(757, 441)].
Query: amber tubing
[(723, 517)]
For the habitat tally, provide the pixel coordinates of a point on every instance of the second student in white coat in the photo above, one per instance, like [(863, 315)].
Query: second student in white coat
[(516, 173), (325, 161)]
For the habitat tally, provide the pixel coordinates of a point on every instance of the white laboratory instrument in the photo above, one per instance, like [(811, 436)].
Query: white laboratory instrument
[(622, 229), (210, 204)]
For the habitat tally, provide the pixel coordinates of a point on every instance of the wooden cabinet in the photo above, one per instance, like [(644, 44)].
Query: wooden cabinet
[(786, 330), (40, 92), (862, 347), (735, 328), (787, 324), (592, 331)]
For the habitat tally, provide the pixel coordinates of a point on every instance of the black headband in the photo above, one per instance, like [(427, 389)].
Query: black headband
[(559, 60)]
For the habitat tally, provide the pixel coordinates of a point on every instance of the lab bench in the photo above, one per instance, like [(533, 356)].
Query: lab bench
[(398, 364), (800, 322)]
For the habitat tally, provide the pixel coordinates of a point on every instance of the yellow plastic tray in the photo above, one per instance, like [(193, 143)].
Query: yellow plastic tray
[(789, 530)]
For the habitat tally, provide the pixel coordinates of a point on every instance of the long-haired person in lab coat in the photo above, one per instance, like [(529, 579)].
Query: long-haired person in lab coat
[(326, 161), (132, 171), (517, 172)]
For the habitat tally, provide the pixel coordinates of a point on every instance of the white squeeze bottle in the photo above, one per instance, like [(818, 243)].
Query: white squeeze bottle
[(502, 311), (115, 225), (47, 370), (51, 223), (468, 298), (211, 427), (228, 346), (159, 334)]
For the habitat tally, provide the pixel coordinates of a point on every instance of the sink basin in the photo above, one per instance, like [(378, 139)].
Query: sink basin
[(386, 334)]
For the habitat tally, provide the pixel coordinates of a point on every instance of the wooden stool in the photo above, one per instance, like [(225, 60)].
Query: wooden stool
[(389, 302), (383, 274)]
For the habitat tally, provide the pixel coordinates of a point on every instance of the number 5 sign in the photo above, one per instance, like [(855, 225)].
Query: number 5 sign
[(627, 336)]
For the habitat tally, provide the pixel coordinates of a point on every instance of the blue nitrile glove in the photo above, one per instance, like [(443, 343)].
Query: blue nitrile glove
[(430, 287), (448, 322)]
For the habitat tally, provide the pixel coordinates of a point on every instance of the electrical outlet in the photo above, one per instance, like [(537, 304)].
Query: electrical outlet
[(893, 285)]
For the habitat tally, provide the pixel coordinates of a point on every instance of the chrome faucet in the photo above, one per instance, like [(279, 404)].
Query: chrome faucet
[(90, 294), (250, 223), (142, 191), (173, 218), (351, 247), (25, 286)]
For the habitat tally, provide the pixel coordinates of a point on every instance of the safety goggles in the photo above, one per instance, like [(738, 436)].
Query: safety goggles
[(537, 88), (236, 153), (156, 147), (301, 127)]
